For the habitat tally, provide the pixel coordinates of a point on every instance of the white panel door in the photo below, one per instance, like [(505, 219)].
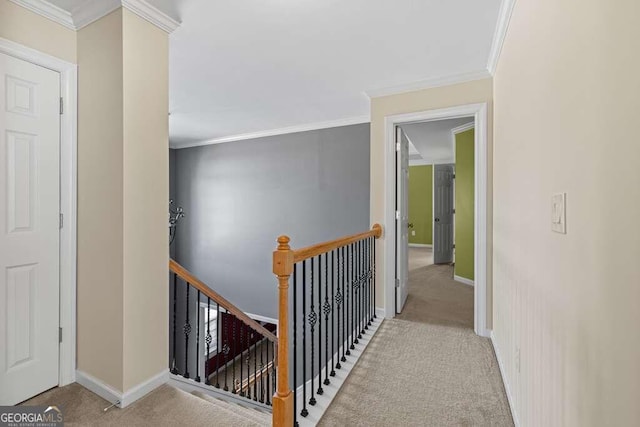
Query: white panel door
[(443, 214), (402, 221), (29, 229)]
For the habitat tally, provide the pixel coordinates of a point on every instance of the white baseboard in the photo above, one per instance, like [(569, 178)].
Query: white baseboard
[(514, 415), (331, 390), (116, 397), (380, 313), (144, 388), (419, 245), (463, 280), (95, 385)]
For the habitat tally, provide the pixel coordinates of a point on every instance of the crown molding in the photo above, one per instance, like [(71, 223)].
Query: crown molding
[(151, 14), (504, 16), (429, 83), (463, 128), (281, 131), (49, 11), (92, 10)]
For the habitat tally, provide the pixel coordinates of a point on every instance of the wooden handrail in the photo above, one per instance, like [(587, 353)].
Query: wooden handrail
[(283, 260), (321, 248), (185, 275)]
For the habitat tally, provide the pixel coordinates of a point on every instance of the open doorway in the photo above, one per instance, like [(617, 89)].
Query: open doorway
[(439, 210)]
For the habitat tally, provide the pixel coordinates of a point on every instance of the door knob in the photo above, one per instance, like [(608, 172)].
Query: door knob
[(410, 225), (437, 220)]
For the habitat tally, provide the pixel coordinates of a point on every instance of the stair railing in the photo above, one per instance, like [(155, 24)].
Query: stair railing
[(215, 343), (333, 305)]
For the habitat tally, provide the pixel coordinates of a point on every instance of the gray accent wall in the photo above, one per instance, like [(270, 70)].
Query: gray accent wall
[(240, 196)]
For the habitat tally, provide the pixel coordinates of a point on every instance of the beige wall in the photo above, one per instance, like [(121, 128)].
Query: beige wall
[(146, 197), (123, 186), (29, 29), (100, 200), (566, 95), (430, 99)]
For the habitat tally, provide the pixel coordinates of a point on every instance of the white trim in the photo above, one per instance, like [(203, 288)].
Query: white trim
[(116, 397), (514, 414), (144, 388), (463, 128), (189, 385), (331, 390), (151, 14), (281, 131), (68, 198), (428, 83), (504, 16), (479, 112), (91, 10), (93, 384), (419, 245), (423, 162), (260, 318), (463, 280), (48, 10), (380, 313)]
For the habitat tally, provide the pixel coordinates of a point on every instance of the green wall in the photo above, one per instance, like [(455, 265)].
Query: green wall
[(421, 204), (464, 204)]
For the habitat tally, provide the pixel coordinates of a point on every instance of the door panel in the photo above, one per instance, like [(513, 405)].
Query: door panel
[(402, 223), (443, 214), (29, 229)]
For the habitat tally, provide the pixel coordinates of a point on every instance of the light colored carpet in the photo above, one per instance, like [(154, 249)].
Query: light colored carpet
[(426, 367), (420, 257), (165, 406)]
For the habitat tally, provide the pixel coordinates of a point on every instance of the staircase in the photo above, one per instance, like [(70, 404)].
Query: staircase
[(232, 414), (247, 368)]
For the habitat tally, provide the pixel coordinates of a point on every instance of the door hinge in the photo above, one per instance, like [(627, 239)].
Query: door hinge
[(61, 220), (397, 146), (61, 106), (397, 214), (453, 176), (59, 334), (397, 283), (454, 211)]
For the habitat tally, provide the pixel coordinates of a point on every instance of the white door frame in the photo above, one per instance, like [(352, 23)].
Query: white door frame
[(479, 112), (68, 195)]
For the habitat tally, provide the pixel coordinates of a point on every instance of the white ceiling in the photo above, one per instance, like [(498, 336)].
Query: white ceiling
[(249, 66), (432, 140)]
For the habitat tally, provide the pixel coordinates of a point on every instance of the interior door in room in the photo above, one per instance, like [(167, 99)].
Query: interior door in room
[(29, 229), (443, 214), (402, 219)]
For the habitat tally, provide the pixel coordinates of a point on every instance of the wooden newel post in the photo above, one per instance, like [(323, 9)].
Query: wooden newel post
[(283, 399)]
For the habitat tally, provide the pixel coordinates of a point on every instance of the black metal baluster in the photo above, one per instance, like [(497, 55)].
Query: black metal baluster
[(313, 317), (197, 378), (240, 360), (368, 275), (320, 390), (372, 242), (218, 334), (340, 304), (359, 288), (187, 331), (234, 352), (374, 279), (327, 310), (255, 368), (225, 349), (274, 371), (262, 346), (266, 397), (333, 310), (295, 341), (207, 340), (174, 367), (304, 411), (349, 303), (354, 339)]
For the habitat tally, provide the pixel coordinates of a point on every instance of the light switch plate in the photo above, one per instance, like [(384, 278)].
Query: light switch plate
[(558, 213)]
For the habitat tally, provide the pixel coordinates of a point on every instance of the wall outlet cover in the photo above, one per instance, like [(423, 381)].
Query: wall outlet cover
[(558, 213)]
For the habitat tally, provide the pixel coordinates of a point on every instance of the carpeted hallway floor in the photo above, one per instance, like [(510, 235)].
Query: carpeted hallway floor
[(426, 367)]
